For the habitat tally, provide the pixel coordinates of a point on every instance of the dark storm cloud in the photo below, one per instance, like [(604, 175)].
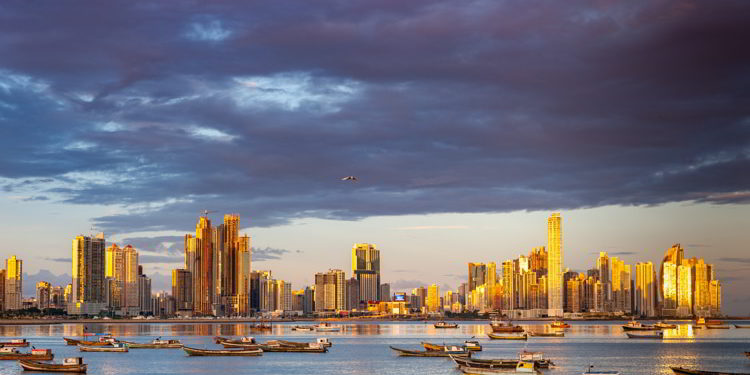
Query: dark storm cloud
[(269, 253), (482, 106)]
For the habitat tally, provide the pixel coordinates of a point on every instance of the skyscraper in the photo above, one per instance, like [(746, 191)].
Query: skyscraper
[(668, 280), (182, 292), (199, 261), (645, 290), (89, 282), (330, 291), (603, 266), (684, 290), (366, 269), (433, 298), (554, 265), (13, 283), (121, 272), (43, 290)]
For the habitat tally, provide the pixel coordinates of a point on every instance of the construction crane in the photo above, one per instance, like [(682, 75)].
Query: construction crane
[(206, 212)]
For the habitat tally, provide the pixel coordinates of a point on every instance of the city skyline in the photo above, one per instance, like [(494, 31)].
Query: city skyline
[(464, 125)]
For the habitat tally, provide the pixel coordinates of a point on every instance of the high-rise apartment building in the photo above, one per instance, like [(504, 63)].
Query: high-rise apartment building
[(684, 290), (43, 290), (366, 269), (121, 272), (701, 294), (199, 260), (230, 268), (13, 283), (385, 292), (182, 291), (89, 295), (330, 291), (433, 299), (645, 290), (554, 265)]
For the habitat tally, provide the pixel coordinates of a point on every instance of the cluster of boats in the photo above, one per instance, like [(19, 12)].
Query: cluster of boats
[(37, 359), (322, 327), (508, 331), (247, 346)]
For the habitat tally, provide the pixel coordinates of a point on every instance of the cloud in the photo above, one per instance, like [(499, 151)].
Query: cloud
[(270, 253), (145, 259), (402, 284), (438, 107), (156, 244), (431, 227), (61, 260), (734, 260)]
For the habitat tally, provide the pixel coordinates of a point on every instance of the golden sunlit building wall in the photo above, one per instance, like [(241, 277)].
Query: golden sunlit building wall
[(554, 265), (366, 269), (433, 298), (89, 290), (684, 290), (13, 283), (645, 290)]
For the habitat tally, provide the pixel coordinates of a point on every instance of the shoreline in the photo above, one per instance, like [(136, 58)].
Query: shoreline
[(24, 322)]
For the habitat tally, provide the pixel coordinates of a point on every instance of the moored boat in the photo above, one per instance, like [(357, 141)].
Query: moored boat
[(591, 371), (155, 344), (196, 352), (12, 354), (520, 368), (260, 327), (662, 325), (278, 348), (74, 342), (443, 324), (472, 346), (245, 340), (684, 371), (718, 326), (70, 365), (117, 347), (546, 334), (536, 357), (327, 327), (447, 352), (504, 327), (741, 326), (303, 328), (637, 326), (507, 337), (645, 335), (18, 343), (559, 324)]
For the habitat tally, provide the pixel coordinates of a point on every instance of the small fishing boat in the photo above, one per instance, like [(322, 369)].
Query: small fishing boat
[(520, 368), (536, 357), (591, 371), (447, 352), (157, 343), (12, 354), (303, 328), (278, 348), (260, 327), (117, 347), (662, 325), (18, 343), (718, 326), (546, 334), (195, 352), (684, 371), (645, 335), (101, 342), (327, 327), (508, 337), (504, 327), (637, 326), (741, 326), (472, 346), (247, 340), (442, 324), (71, 365), (323, 341), (559, 324), (237, 345)]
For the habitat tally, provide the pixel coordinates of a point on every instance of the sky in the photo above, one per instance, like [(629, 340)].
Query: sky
[(466, 123)]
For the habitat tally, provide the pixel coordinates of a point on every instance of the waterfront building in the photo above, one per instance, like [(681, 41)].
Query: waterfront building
[(330, 290), (433, 299), (668, 282), (43, 290), (2, 289), (121, 272), (645, 290), (554, 265), (308, 306), (353, 299), (13, 283), (199, 261), (366, 269), (604, 276), (89, 289), (684, 290), (144, 293), (701, 294), (182, 291), (230, 268), (385, 292), (714, 289), (57, 297)]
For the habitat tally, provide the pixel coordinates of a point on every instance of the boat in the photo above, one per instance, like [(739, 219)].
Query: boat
[(662, 325), (713, 322), (310, 348), (546, 334), (507, 337), (718, 326), (323, 341), (155, 344), (536, 357), (260, 327), (195, 352), (684, 371), (12, 354), (71, 365), (472, 346), (117, 347), (74, 342), (327, 327), (741, 326), (97, 334), (247, 340), (442, 324), (18, 343), (504, 327), (447, 352), (559, 324), (520, 368), (303, 328), (636, 326), (591, 371), (645, 335)]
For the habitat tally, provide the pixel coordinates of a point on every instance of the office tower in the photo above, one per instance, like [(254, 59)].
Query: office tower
[(13, 283), (330, 291), (477, 272), (554, 265), (144, 294), (714, 290), (298, 299), (568, 277), (43, 290), (668, 281), (538, 260), (645, 290), (57, 297), (433, 298), (621, 280), (491, 285), (121, 272), (182, 291), (283, 298), (385, 292), (366, 269), (352, 294), (255, 288), (89, 295), (701, 294), (267, 292), (309, 302), (684, 290), (230, 267), (199, 260), (604, 275)]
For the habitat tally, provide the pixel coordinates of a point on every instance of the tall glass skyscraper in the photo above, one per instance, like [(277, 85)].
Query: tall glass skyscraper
[(554, 265)]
